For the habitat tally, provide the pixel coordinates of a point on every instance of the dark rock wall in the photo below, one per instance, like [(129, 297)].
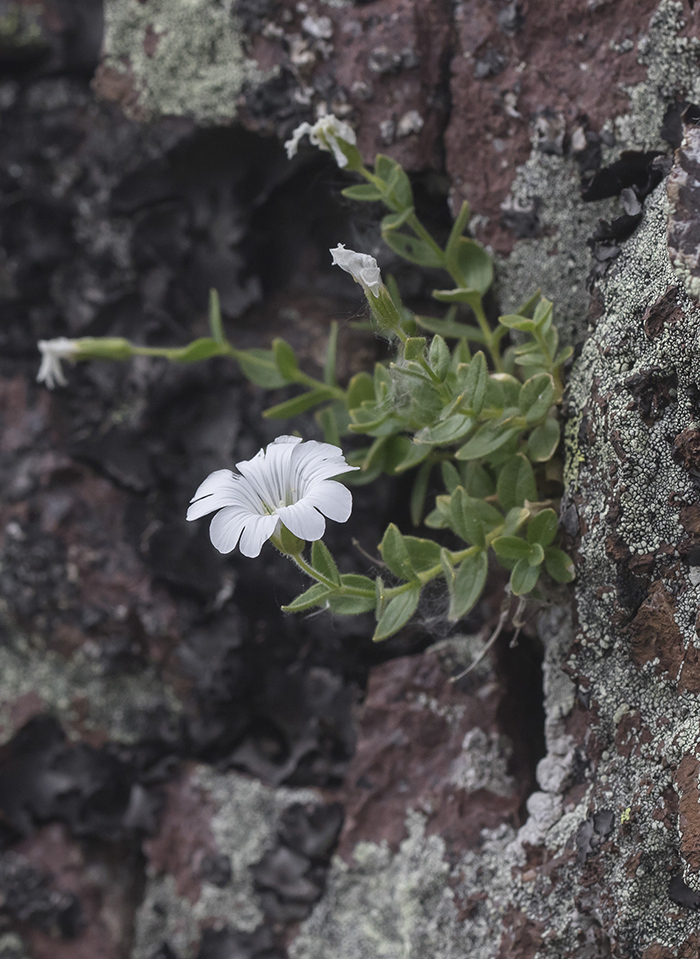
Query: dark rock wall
[(178, 760)]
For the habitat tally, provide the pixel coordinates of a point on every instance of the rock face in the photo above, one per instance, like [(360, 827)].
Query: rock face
[(178, 762)]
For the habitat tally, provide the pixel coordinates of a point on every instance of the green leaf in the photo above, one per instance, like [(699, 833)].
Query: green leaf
[(419, 492), (424, 554), (472, 518), (475, 383), (399, 186), (362, 191), (316, 595), (403, 454), (351, 605), (374, 419), (297, 405), (510, 387), (414, 347), (285, 359), (536, 557), (360, 388), (323, 562), (543, 441), (516, 482), (393, 221), (462, 294), (536, 397), (534, 358), (470, 261), (201, 349), (458, 228), (215, 324), (559, 566), (395, 554), (542, 528), (364, 475), (515, 518), (450, 329), (512, 547), (526, 308), (542, 316), (478, 481), (454, 428), (551, 338), (563, 355), (382, 381), (397, 613), (468, 585), (259, 367), (515, 322), (435, 520), (412, 249), (439, 357), (355, 581), (384, 166), (488, 439), (331, 355), (524, 578), (328, 420), (450, 476)]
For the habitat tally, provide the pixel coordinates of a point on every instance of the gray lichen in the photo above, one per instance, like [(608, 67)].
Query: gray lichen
[(394, 906), (186, 57), (625, 898), (244, 826)]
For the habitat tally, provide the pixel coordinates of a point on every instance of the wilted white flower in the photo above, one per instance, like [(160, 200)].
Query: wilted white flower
[(52, 352), (287, 483), (324, 134), (361, 266)]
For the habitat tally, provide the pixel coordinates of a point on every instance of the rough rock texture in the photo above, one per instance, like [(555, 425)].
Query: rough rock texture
[(176, 760)]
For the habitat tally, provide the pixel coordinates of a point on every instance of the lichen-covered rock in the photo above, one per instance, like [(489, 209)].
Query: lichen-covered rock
[(215, 828)]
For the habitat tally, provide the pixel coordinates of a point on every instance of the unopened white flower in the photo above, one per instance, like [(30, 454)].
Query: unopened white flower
[(324, 134), (52, 352), (288, 483), (361, 266)]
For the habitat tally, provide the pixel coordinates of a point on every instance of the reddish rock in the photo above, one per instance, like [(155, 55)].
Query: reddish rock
[(411, 729), (184, 837), (102, 881), (538, 64), (686, 781), (654, 633), (522, 937)]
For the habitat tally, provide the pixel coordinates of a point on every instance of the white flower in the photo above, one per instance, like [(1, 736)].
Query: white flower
[(52, 352), (324, 134), (361, 266), (286, 483)]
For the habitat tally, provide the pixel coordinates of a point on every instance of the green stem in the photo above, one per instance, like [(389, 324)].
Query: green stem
[(490, 341), (423, 235)]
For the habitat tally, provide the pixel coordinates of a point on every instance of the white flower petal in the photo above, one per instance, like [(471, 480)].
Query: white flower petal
[(287, 482), (52, 352), (303, 520), (333, 499), (292, 145), (226, 527), (362, 268), (257, 530)]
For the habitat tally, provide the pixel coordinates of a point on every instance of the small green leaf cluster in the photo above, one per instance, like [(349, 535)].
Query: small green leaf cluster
[(468, 404)]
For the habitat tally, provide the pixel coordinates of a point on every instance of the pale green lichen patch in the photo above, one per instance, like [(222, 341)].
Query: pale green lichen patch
[(557, 262), (186, 57), (394, 906), (77, 690), (244, 826)]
